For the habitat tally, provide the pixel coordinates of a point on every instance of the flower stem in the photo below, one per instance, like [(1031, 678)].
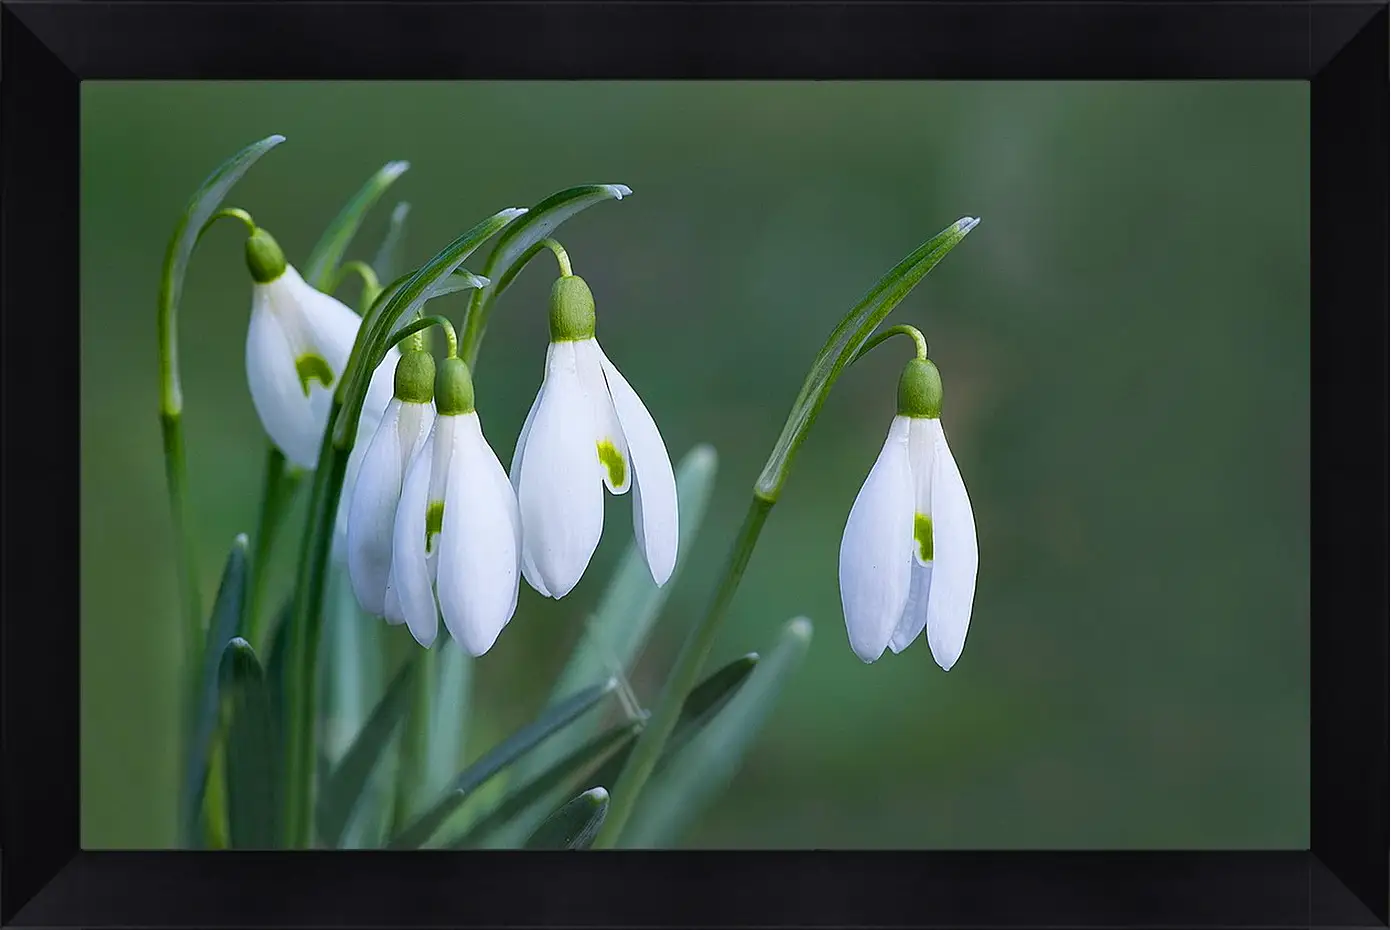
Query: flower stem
[(278, 488), (305, 637), (185, 556), (682, 678), (902, 329), (562, 258)]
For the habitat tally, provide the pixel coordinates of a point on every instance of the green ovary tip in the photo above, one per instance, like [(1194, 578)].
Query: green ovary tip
[(612, 460), (434, 522), (313, 368), (922, 535)]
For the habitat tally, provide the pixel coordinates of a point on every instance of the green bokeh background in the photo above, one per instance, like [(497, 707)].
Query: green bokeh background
[(1123, 340)]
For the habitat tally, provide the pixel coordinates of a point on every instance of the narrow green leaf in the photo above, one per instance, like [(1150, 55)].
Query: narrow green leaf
[(353, 686), (398, 302), (343, 789), (516, 246), (388, 260), (204, 202), (552, 720), (222, 626), (616, 632), (855, 328), (449, 712), (253, 740), (560, 776), (575, 825), (323, 261), (697, 772), (700, 706), (703, 702)]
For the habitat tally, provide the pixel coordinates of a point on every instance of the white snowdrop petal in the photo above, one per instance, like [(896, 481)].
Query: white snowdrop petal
[(558, 481), (955, 557), (914, 618), (372, 513), (286, 414), (874, 573), (478, 547), (610, 446), (656, 522), (410, 571)]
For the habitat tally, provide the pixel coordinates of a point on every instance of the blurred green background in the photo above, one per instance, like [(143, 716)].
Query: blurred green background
[(1123, 340)]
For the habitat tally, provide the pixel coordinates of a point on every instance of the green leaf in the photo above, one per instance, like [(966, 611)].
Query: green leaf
[(699, 707), (630, 605), (341, 792), (322, 266), (352, 688), (397, 303), (553, 719), (201, 206), (558, 777), (856, 327), (575, 825), (517, 246), (222, 626), (449, 712), (387, 262), (696, 773), (253, 741)]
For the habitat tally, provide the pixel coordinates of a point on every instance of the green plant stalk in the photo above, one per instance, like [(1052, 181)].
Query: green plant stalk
[(399, 299), (176, 471), (415, 734), (305, 635), (682, 678), (855, 329), (278, 489)]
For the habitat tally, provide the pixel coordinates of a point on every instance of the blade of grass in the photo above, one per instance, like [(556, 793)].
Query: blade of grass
[(253, 783), (702, 768), (553, 719), (575, 825)]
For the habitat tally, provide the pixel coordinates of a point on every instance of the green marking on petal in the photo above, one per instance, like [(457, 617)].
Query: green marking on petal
[(612, 459), (434, 522), (313, 368), (922, 533)]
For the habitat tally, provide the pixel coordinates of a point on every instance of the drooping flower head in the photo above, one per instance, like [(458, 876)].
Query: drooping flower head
[(456, 536), (587, 430), (297, 346), (371, 506), (908, 557)]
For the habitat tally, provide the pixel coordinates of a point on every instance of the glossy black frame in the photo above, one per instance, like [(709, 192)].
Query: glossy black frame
[(46, 49)]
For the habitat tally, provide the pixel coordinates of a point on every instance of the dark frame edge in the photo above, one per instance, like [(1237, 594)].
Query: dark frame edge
[(39, 178), (1348, 651)]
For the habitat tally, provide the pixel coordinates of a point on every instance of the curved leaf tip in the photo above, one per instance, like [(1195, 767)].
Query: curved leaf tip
[(619, 191)]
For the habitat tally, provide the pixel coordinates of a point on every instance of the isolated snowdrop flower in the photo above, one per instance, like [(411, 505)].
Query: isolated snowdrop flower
[(587, 430), (371, 506), (908, 557), (456, 535), (297, 346)]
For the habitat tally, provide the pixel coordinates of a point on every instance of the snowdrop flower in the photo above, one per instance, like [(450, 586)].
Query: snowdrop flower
[(456, 535), (296, 349), (371, 503), (908, 556), (587, 430)]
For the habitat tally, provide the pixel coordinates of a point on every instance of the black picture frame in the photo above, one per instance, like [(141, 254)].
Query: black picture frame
[(47, 49)]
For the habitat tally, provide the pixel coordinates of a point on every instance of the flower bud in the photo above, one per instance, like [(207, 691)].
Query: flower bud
[(453, 388), (920, 390), (415, 377), (264, 257), (572, 310)]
